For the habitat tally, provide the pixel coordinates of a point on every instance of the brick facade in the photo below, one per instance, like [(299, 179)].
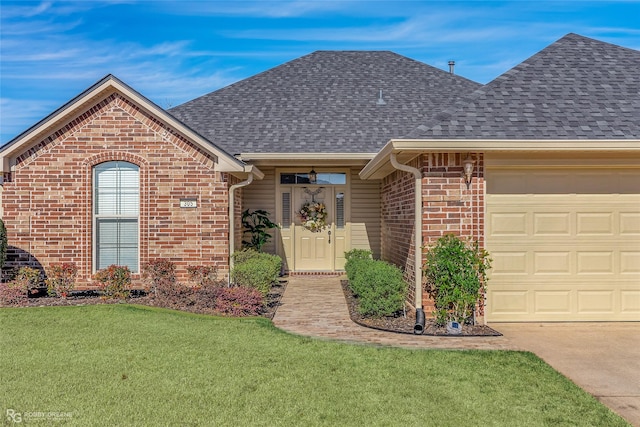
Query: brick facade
[(448, 207), (47, 199)]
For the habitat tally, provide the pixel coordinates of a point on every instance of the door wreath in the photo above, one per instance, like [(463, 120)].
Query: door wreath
[(313, 216)]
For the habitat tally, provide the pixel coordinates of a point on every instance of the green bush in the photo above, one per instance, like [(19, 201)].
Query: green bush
[(379, 286), (255, 269), (356, 261), (3, 244), (456, 276)]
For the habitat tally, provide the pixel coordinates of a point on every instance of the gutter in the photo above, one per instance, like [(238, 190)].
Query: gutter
[(232, 227), (420, 318)]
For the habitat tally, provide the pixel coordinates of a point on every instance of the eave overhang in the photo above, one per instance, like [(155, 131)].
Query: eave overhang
[(408, 149)]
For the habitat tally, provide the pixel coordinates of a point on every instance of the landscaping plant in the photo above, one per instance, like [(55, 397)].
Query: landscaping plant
[(61, 279), (203, 275), (255, 269), (456, 276), (378, 285), (27, 279), (114, 281), (159, 276), (256, 224)]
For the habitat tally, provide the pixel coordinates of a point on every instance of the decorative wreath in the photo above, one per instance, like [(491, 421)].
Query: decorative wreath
[(313, 216)]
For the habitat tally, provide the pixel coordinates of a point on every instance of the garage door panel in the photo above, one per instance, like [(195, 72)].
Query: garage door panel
[(563, 257), (589, 223), (630, 262), (629, 223), (630, 301), (552, 224)]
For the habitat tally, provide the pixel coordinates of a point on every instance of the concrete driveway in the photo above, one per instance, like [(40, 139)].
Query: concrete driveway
[(602, 358)]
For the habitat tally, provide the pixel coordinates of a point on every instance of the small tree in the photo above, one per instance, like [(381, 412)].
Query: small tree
[(256, 223), (456, 276)]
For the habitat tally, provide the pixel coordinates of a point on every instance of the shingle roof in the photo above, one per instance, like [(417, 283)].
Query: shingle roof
[(575, 89), (324, 102)]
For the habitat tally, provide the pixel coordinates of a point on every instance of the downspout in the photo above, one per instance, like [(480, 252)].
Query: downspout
[(420, 318), (232, 219)]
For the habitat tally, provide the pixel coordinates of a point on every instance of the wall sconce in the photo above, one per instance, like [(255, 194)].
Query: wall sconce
[(313, 176), (467, 173)]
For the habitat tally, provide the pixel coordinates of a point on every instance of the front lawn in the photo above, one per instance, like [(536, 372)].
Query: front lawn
[(128, 365)]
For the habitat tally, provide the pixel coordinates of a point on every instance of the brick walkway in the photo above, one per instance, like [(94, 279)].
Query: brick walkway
[(315, 306)]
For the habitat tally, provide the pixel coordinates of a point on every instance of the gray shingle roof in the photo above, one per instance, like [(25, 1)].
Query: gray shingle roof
[(324, 102), (575, 89)]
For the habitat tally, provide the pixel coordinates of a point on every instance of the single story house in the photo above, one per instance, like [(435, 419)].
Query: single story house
[(541, 166)]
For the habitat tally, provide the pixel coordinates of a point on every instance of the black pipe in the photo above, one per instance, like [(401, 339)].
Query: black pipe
[(418, 328)]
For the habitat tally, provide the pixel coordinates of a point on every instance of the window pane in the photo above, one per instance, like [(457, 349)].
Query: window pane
[(117, 202)]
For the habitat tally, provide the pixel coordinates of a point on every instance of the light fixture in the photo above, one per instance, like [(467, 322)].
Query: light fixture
[(313, 176), (467, 173)]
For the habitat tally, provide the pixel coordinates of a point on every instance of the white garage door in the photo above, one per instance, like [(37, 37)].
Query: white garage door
[(565, 244)]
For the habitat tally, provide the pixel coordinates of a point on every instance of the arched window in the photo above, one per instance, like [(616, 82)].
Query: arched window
[(116, 206)]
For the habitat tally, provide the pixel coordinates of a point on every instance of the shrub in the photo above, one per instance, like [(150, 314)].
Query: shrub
[(114, 281), (456, 276), (61, 279), (12, 294), (27, 279), (379, 286), (3, 243), (159, 276), (239, 301), (203, 275), (256, 270), (357, 260)]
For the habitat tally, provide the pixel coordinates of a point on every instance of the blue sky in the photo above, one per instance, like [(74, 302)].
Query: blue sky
[(174, 51)]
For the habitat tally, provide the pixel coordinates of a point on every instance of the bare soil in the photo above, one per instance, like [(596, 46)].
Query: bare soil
[(403, 322)]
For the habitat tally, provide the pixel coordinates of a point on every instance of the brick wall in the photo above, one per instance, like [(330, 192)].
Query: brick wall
[(47, 201), (397, 217), (448, 207)]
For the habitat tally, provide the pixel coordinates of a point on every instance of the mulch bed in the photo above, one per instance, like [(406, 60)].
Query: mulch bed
[(403, 323), (41, 299)]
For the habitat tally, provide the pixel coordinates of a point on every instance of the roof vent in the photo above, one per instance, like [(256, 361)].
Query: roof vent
[(380, 99), (451, 65)]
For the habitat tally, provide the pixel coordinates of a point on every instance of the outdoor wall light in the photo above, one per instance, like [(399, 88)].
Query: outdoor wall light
[(467, 172), (313, 176)]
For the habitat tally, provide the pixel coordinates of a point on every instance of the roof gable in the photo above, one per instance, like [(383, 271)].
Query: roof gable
[(324, 102), (99, 91), (575, 89)]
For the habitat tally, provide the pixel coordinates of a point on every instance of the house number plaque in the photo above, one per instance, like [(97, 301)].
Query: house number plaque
[(188, 203)]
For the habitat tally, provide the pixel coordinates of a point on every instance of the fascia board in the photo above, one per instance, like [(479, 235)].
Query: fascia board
[(379, 166)]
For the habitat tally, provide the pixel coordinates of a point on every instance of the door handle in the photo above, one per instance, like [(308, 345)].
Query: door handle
[(329, 237)]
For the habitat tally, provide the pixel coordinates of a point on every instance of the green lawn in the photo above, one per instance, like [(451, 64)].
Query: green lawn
[(127, 365)]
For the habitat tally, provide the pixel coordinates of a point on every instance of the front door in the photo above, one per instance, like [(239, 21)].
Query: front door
[(313, 247), (305, 246)]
